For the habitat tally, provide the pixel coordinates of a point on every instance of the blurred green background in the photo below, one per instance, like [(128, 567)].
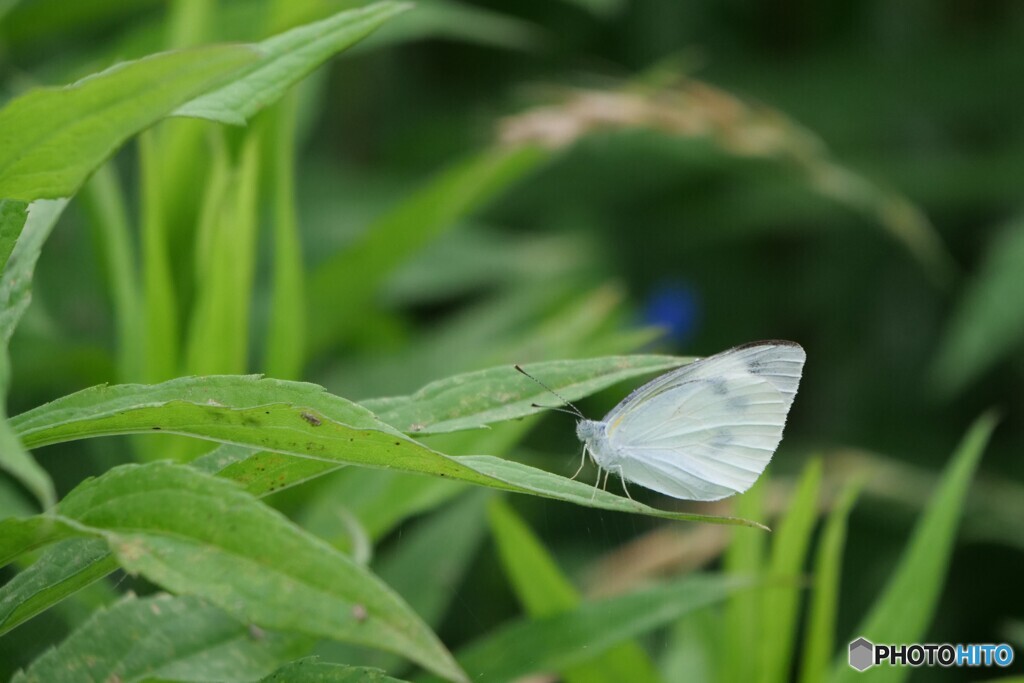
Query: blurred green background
[(848, 176)]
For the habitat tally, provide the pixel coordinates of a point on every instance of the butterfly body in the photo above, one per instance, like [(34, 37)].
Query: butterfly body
[(593, 434), (704, 431)]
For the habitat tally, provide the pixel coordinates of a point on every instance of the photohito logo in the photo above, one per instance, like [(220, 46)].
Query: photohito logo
[(864, 654)]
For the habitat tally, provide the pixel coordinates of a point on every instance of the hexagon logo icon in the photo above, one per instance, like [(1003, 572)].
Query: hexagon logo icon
[(862, 654)]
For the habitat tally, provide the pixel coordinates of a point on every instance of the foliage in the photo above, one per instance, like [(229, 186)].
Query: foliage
[(360, 194)]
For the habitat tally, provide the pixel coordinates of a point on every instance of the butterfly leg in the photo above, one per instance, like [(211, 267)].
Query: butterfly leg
[(604, 486), (596, 484), (583, 461), (624, 487)]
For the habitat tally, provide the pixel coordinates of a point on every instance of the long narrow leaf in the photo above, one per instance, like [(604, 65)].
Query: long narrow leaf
[(296, 419), (51, 139), (564, 640), (343, 287), (781, 598), (161, 325), (13, 215), (106, 207), (62, 570), (544, 591), (286, 59), (218, 340), (307, 670), (987, 323), (743, 617), (819, 632), (902, 613), (475, 399), (200, 535), (286, 322), (427, 568), (15, 295), (163, 637)]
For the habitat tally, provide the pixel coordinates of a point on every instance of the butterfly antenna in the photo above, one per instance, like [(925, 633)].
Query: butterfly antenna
[(575, 410)]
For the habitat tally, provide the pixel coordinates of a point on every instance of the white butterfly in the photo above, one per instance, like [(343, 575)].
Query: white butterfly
[(704, 431)]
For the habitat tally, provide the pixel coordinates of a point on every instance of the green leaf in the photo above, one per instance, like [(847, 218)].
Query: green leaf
[(379, 499), (743, 617), (903, 612), (296, 419), (476, 399), (987, 323), (19, 535), (15, 295), (71, 565), (199, 535), (343, 287), (262, 472), (819, 631), (286, 59), (428, 566), (218, 339), (17, 462), (12, 219), (61, 570), (161, 324), (543, 591), (164, 637), (451, 20), (106, 208), (781, 598), (52, 139), (561, 641), (286, 326), (13, 501), (311, 671), (16, 281)]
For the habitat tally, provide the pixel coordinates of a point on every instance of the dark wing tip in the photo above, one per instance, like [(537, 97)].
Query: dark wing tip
[(767, 342)]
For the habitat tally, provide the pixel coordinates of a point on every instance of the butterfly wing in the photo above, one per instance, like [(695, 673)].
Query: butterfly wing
[(708, 429)]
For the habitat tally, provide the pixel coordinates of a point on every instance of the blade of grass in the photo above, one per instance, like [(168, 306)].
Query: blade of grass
[(781, 599), (819, 631), (743, 625), (106, 209), (343, 286), (986, 324), (218, 340), (902, 613), (160, 300), (286, 322), (692, 653), (543, 591), (564, 640), (188, 23)]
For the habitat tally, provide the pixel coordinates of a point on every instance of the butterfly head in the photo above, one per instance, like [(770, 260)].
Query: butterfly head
[(588, 430)]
